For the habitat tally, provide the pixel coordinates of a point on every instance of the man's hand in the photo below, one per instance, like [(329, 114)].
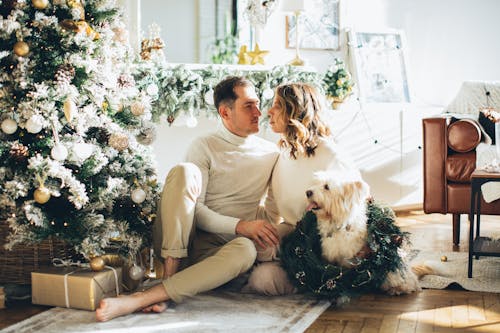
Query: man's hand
[(260, 231)]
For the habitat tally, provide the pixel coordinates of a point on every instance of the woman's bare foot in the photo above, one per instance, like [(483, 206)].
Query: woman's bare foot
[(110, 308), (158, 308), (171, 266)]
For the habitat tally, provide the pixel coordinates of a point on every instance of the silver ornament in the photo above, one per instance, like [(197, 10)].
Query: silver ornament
[(136, 272), (138, 195)]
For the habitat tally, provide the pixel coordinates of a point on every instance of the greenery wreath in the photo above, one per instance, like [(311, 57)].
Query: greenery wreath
[(301, 256)]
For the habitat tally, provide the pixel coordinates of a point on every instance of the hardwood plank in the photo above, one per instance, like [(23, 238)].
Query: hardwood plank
[(389, 324), (407, 322), (425, 320)]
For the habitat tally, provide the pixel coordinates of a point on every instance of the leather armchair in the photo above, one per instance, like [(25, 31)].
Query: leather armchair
[(449, 159)]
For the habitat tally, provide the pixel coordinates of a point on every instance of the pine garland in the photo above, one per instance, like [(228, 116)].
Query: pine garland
[(301, 256)]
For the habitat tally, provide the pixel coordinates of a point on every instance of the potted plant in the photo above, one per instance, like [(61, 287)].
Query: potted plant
[(337, 82)]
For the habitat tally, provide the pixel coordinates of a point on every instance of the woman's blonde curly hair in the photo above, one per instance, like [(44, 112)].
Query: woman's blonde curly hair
[(301, 104)]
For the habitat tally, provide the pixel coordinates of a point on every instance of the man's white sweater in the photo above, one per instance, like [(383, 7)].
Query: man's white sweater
[(236, 173)]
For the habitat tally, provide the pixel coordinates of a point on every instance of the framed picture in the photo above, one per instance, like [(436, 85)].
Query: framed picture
[(318, 28), (379, 61)]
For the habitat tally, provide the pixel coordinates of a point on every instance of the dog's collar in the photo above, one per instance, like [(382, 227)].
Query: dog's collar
[(347, 227)]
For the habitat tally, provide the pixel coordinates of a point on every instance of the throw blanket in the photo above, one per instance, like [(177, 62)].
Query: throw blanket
[(486, 155)]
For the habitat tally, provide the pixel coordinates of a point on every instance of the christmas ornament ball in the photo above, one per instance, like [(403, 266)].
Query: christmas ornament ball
[(33, 125), (138, 195), (136, 272), (41, 195), (9, 126), (40, 4), (444, 258), (97, 264), (59, 152), (21, 48), (268, 93), (137, 108)]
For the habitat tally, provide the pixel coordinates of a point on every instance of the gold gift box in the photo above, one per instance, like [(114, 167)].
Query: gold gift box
[(85, 288)]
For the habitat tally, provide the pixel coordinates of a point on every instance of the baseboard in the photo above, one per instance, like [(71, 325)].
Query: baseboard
[(408, 207)]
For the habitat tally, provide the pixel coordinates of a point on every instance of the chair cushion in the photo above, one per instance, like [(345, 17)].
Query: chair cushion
[(459, 167), (463, 135)]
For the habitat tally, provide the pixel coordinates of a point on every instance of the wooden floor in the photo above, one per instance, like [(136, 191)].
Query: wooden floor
[(426, 311), (429, 310)]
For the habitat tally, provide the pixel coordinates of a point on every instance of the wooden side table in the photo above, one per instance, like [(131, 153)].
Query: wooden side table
[(480, 245)]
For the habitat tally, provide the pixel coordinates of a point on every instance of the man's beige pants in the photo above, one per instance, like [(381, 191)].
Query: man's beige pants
[(213, 259)]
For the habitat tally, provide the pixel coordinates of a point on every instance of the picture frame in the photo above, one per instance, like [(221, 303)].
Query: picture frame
[(319, 29), (380, 65)]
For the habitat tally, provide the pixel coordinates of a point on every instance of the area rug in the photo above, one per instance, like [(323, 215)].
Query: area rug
[(219, 311), (485, 271)]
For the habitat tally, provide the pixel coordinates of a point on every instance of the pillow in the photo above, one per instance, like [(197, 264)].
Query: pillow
[(487, 118), (463, 135)]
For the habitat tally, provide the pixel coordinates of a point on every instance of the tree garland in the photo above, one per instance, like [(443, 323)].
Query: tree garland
[(301, 256)]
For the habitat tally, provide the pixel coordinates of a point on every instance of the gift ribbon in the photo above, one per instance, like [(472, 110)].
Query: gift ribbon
[(58, 262)]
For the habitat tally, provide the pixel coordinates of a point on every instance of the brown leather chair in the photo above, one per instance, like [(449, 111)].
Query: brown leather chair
[(449, 159)]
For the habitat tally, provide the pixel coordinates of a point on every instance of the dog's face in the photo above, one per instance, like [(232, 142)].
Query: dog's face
[(333, 196)]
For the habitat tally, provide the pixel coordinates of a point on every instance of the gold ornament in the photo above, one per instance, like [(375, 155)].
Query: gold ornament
[(243, 57), (444, 258), (118, 141), (97, 264), (113, 259), (80, 26), (77, 4), (69, 109), (21, 48), (41, 195), (137, 108), (257, 55), (40, 4)]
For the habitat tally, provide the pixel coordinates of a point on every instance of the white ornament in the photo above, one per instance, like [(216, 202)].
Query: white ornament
[(268, 93), (334, 69), (209, 97), (191, 122), (138, 195), (9, 126), (136, 272), (33, 125), (83, 150), (152, 89), (59, 152)]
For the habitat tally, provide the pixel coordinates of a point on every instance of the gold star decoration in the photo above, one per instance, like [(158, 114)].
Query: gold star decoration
[(257, 55), (243, 57)]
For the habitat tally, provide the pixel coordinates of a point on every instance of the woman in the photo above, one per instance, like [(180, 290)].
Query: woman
[(306, 148)]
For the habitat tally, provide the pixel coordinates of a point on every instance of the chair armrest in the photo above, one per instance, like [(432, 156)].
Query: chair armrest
[(435, 150)]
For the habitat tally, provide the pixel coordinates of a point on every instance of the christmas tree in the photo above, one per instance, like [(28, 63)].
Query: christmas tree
[(74, 122)]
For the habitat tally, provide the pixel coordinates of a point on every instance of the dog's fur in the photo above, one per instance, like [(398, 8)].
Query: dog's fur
[(339, 203)]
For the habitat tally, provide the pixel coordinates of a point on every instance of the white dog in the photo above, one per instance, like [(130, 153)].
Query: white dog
[(339, 203)]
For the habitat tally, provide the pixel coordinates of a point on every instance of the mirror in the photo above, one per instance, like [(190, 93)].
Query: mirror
[(190, 27)]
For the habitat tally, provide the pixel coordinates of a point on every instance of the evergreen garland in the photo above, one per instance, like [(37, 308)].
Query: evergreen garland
[(301, 256)]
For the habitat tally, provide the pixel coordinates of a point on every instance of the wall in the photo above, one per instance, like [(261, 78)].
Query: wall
[(449, 41)]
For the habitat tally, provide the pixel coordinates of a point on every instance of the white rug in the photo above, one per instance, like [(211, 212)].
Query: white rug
[(485, 271), (219, 311)]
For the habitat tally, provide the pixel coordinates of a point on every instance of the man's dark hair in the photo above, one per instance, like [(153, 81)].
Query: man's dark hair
[(224, 91)]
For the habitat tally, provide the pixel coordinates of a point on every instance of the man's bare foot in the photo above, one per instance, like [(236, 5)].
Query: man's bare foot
[(110, 308), (171, 266), (158, 308)]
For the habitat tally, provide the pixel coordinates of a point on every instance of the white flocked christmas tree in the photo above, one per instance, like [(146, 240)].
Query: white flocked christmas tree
[(75, 124)]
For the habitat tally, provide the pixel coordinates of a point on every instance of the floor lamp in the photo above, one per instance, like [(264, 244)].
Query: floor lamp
[(295, 6)]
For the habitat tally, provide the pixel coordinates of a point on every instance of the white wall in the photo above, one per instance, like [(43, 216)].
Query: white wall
[(449, 41)]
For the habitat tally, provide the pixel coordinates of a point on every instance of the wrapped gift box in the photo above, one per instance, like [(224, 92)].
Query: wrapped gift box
[(74, 287)]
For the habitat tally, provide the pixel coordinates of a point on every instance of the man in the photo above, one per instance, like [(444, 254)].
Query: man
[(218, 191)]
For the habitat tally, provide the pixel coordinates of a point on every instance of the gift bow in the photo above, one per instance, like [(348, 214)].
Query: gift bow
[(58, 262)]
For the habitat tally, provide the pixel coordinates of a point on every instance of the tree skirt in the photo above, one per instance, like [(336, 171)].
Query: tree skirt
[(485, 271), (219, 311)]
